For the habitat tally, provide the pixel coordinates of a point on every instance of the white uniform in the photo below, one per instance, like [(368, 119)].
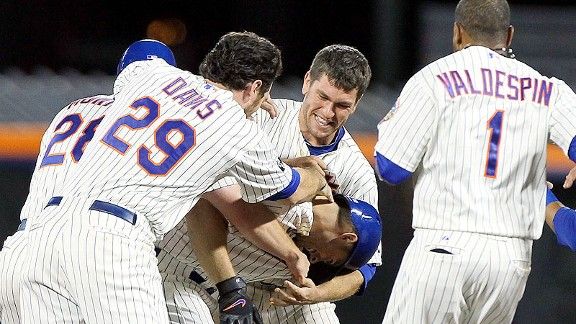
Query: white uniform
[(187, 298), (61, 148), (477, 124), (167, 137)]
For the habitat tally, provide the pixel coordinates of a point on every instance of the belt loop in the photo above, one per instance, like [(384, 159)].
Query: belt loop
[(22, 225)]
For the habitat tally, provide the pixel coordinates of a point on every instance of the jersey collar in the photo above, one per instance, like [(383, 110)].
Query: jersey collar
[(319, 150)]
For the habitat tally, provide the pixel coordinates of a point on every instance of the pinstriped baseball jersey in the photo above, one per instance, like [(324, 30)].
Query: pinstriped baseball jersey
[(170, 136), (478, 124), (354, 174), (356, 179), (61, 147)]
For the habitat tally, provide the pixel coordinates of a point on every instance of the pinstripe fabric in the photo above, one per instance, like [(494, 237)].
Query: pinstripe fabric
[(96, 267), (451, 137), (356, 179), (188, 302), (47, 181), (482, 281), (474, 126), (91, 267)]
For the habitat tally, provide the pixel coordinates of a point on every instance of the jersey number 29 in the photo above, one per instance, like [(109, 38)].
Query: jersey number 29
[(168, 130)]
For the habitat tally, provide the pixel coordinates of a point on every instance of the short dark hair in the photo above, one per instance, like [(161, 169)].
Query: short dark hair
[(345, 66), (240, 58), (344, 217), (484, 20)]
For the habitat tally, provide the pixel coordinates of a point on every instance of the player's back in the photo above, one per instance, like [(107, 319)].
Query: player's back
[(61, 148), (170, 135), (487, 123)]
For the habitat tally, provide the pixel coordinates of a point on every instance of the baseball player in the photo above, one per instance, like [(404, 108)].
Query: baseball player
[(61, 148), (476, 124), (332, 88), (345, 239), (168, 135)]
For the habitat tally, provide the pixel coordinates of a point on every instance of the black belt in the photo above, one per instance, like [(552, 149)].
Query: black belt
[(104, 207), (22, 225)]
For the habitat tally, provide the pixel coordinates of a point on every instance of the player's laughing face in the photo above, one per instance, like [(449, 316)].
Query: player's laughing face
[(324, 110), (327, 242), (330, 250)]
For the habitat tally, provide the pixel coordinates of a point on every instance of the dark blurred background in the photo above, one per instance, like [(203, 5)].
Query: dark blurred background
[(55, 51)]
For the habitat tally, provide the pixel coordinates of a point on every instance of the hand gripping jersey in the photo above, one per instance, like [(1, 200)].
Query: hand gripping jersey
[(178, 264)]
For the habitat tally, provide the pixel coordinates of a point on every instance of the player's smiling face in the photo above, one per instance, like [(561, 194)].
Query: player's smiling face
[(327, 241), (319, 248), (324, 110)]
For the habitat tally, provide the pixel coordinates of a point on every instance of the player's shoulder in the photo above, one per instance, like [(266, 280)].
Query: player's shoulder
[(287, 104), (287, 107), (150, 71), (349, 149)]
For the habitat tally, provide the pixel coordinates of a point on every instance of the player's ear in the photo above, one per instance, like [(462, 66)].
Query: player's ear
[(509, 36), (349, 237), (457, 37), (306, 84), (251, 92)]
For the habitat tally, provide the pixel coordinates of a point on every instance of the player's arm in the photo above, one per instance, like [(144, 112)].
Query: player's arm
[(260, 226), (405, 131), (562, 220), (338, 288), (563, 119)]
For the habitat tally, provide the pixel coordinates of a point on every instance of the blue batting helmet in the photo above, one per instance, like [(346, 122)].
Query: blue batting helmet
[(366, 221), (145, 49)]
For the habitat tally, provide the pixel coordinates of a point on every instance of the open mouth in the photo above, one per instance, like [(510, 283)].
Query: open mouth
[(322, 121)]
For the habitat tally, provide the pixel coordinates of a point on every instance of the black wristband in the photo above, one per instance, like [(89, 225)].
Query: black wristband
[(228, 285)]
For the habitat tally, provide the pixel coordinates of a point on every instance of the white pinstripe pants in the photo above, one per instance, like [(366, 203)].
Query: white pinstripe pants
[(11, 266), (480, 280), (188, 303), (90, 267)]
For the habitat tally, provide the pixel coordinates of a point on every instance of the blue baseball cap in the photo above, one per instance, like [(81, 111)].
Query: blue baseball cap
[(145, 49), (368, 225)]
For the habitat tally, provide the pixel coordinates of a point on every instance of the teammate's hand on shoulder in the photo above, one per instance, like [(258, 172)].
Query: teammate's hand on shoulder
[(308, 162), (292, 294), (269, 106), (234, 305)]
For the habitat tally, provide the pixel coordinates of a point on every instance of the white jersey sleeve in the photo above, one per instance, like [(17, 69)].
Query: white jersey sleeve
[(406, 130), (563, 112), (257, 171)]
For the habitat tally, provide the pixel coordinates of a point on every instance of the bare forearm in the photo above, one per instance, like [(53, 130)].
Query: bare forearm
[(208, 232), (551, 210), (340, 287), (259, 225)]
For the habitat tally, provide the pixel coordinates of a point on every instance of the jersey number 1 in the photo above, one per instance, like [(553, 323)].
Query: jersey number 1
[(494, 125)]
